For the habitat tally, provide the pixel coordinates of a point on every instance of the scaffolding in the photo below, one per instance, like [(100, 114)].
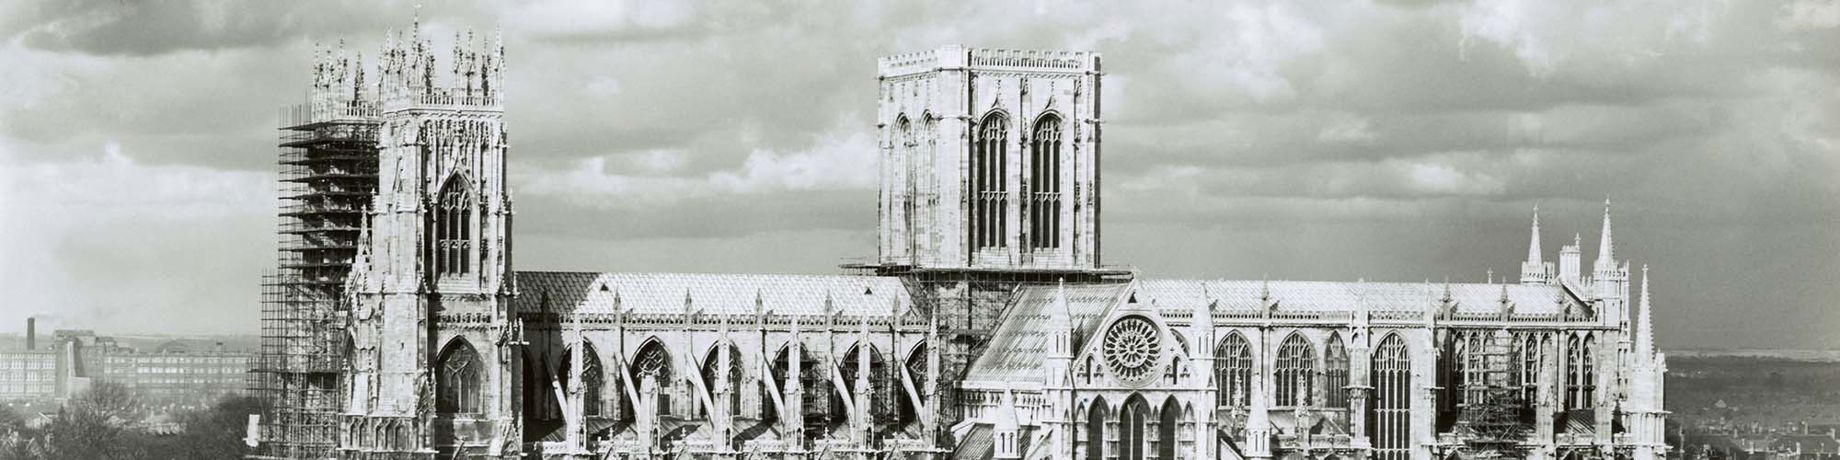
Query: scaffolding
[(1493, 406), (328, 175)]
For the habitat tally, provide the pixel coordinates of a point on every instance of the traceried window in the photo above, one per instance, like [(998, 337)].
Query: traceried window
[(1045, 184), (652, 363), (1132, 348), (881, 395), (1391, 377), (1232, 372), (989, 187), (451, 235), (916, 373), (1584, 366), (592, 376), (1295, 372), (712, 365), (457, 387), (1335, 374), (1529, 373)]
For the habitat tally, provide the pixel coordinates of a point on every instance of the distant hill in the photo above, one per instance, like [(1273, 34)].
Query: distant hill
[(1821, 356)]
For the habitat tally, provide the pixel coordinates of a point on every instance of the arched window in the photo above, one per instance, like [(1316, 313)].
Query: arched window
[(451, 236), (1296, 369), (592, 377), (989, 189), (653, 364), (1475, 366), (1587, 380), (1232, 372), (457, 387), (1581, 373), (815, 379), (1131, 420), (712, 365), (881, 396), (916, 372), (1045, 184), (1335, 374), (1529, 376), (781, 377), (1095, 430), (1166, 422), (1391, 376)]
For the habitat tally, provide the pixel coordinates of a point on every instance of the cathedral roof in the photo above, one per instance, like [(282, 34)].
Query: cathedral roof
[(734, 294), (1329, 296), (1017, 347)]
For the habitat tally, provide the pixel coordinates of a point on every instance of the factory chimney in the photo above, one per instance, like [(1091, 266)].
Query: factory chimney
[(31, 333)]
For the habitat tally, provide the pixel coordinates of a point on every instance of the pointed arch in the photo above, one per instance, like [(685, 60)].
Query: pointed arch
[(1095, 429), (881, 394), (458, 383), (1335, 372), (1233, 371), (1296, 371), (1045, 182), (989, 182), (1168, 418), (1389, 424), (1133, 416), (1587, 381), (451, 228), (916, 370), (593, 377), (653, 365), (712, 368)]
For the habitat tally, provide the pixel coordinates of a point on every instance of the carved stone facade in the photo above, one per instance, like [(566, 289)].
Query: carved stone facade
[(988, 328)]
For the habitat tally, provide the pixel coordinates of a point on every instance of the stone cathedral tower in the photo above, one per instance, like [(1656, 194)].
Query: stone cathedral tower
[(989, 159), (433, 283)]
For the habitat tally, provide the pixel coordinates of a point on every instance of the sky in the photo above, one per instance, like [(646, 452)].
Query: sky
[(1392, 140)]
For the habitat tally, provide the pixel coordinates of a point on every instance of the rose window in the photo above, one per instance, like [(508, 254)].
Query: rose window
[(1132, 347)]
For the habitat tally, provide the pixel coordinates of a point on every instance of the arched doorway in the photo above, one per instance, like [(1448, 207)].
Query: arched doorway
[(1132, 417), (1168, 419), (1095, 429)]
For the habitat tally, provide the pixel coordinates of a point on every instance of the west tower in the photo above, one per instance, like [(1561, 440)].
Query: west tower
[(434, 344)]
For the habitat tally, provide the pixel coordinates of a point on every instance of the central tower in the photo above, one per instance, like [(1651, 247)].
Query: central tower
[(989, 160)]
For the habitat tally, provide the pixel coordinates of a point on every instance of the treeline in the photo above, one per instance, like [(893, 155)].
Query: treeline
[(108, 421)]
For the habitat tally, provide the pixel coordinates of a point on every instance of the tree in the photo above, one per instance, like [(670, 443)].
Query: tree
[(217, 433)]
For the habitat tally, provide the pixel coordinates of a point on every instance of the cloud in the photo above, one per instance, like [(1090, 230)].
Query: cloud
[(1400, 139)]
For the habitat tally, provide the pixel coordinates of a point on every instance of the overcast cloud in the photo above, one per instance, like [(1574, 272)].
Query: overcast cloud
[(1391, 140)]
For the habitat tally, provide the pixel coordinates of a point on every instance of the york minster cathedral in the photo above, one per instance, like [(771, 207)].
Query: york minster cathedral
[(987, 327)]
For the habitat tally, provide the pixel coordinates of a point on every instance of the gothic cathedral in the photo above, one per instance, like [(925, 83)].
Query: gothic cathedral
[(987, 327)]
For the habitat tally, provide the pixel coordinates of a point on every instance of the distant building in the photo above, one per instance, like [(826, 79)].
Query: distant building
[(28, 375), (173, 374)]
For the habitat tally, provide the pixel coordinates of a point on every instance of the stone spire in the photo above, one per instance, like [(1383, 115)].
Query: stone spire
[(1533, 245), (1535, 270), (1645, 324), (1606, 250)]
